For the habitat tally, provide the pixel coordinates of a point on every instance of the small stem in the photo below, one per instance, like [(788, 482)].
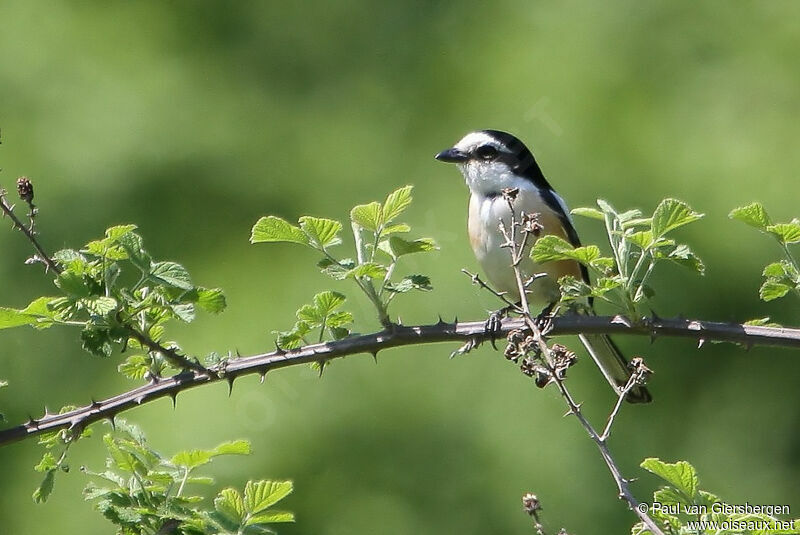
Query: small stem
[(9, 211)]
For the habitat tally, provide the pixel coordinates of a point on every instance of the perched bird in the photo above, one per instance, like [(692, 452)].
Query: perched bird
[(492, 161)]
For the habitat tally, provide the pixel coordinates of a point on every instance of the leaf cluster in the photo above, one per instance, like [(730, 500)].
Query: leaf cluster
[(112, 287), (783, 276), (378, 248), (143, 492), (682, 503), (637, 243)]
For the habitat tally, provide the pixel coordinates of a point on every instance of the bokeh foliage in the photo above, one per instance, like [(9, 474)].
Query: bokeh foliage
[(194, 119)]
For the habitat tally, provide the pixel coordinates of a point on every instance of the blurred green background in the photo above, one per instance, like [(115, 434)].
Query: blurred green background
[(192, 119)]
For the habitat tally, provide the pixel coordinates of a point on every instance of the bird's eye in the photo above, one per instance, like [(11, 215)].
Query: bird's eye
[(486, 152)]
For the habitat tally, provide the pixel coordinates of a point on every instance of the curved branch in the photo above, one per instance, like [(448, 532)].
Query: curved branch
[(399, 335)]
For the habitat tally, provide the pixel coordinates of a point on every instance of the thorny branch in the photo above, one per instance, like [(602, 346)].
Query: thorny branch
[(397, 336), (557, 359)]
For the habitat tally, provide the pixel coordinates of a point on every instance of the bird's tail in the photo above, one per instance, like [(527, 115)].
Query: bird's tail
[(609, 359)]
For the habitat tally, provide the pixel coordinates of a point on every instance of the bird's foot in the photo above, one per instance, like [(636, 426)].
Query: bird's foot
[(494, 325)]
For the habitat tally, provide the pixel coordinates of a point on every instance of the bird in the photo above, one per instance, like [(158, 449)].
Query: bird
[(492, 161)]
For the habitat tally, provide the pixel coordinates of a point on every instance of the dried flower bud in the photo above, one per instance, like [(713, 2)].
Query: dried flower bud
[(640, 371), (510, 194), (531, 504), (530, 223), (563, 358), (25, 189)]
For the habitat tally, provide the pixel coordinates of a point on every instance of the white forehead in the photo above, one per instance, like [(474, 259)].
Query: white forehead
[(476, 139)]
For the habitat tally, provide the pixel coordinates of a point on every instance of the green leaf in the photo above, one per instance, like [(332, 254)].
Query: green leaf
[(133, 245), (642, 239), (773, 289), (604, 265), (100, 306), (367, 216), (321, 232), (753, 214), (211, 300), (681, 475), (400, 247), (326, 302), (396, 203), (230, 504), (552, 248), (371, 270), (683, 256), (335, 270), (394, 229), (337, 319), (671, 214), (44, 490), (786, 232), (234, 447), (606, 207), (259, 495), (115, 233), (275, 229), (171, 274), (762, 322), (11, 317), (73, 284), (135, 367), (591, 213), (270, 517), (191, 458), (411, 282), (669, 496), (47, 463), (184, 312), (549, 248)]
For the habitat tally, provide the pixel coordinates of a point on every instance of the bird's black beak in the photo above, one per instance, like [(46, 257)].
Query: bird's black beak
[(452, 156)]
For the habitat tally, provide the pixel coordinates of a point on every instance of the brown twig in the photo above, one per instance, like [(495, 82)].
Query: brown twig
[(42, 255), (172, 356), (556, 374)]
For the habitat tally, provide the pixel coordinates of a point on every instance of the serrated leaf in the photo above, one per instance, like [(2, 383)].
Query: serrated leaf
[(321, 232), (230, 504), (586, 254), (550, 248), (773, 289), (46, 463), (309, 314), (683, 256), (395, 229), (42, 493), (234, 447), (191, 458), (73, 284), (184, 312), (400, 247), (786, 232), (671, 214), (211, 300), (681, 475), (776, 269), (133, 245), (100, 306), (259, 495), (411, 282), (367, 216), (604, 264), (396, 203), (669, 496), (326, 302), (753, 214), (116, 232), (591, 213), (628, 216), (171, 274), (371, 270), (274, 229), (337, 271), (135, 367), (642, 239), (270, 517), (337, 319), (11, 317)]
